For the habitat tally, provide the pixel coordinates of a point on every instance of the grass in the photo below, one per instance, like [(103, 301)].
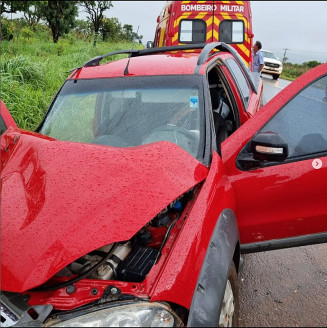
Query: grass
[(32, 71), (292, 71)]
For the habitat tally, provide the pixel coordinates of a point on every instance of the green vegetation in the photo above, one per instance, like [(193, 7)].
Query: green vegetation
[(39, 48), (293, 71), (32, 72)]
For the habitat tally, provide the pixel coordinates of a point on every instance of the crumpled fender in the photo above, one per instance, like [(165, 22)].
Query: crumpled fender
[(181, 274), (61, 200)]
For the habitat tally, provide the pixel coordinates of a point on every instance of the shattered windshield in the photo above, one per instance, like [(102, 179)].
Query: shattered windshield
[(129, 112)]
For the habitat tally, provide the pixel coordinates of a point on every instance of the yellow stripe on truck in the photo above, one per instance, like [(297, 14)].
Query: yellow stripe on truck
[(225, 16), (245, 61), (244, 49), (209, 21), (200, 15), (184, 16), (216, 21), (246, 23), (209, 34), (175, 37), (215, 28), (215, 35)]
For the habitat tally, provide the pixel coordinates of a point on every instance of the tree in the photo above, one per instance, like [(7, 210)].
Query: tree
[(6, 30), (95, 11), (11, 6), (82, 29), (130, 35), (312, 63), (60, 16), (128, 32), (27, 32), (137, 37), (33, 12), (110, 28)]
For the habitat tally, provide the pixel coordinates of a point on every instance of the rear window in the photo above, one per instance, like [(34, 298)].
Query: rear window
[(231, 31), (192, 31)]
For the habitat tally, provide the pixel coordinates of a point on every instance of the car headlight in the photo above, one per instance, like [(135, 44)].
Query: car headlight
[(135, 315)]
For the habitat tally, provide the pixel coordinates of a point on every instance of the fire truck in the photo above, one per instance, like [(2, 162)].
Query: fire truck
[(187, 22)]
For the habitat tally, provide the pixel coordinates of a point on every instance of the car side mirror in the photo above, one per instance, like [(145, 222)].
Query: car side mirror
[(149, 44), (269, 146)]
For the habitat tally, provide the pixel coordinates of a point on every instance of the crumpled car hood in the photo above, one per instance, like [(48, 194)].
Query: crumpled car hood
[(61, 200)]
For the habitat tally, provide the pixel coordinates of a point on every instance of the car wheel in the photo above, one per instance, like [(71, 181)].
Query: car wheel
[(230, 307), (275, 76)]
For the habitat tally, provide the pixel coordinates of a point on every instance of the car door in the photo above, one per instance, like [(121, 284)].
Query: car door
[(6, 119), (277, 164), (251, 100)]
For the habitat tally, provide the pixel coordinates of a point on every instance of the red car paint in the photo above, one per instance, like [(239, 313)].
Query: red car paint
[(62, 300), (7, 118), (293, 203), (183, 64), (188, 253), (59, 211), (90, 208)]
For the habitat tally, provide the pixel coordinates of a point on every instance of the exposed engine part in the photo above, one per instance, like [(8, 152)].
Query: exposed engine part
[(85, 274), (165, 239), (107, 270), (161, 221), (137, 264), (129, 261), (177, 205), (144, 237), (16, 312)]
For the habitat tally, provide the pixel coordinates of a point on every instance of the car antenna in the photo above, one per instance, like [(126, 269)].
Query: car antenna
[(130, 55)]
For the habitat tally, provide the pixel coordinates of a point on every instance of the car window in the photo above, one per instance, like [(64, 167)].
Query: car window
[(303, 121), (129, 112), (240, 80), (3, 127), (192, 31), (231, 31)]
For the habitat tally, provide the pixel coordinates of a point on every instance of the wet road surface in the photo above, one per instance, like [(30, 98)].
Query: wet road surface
[(284, 288), (272, 87)]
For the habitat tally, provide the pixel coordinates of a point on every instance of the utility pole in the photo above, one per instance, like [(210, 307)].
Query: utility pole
[(285, 58)]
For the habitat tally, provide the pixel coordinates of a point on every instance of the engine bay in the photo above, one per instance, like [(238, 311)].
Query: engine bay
[(127, 261)]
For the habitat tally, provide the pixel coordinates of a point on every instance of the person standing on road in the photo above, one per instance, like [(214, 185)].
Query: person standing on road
[(257, 58)]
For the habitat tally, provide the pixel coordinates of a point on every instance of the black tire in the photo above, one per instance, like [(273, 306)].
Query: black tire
[(275, 76), (232, 279)]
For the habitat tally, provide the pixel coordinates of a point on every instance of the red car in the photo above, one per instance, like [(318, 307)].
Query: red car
[(119, 210), (6, 119)]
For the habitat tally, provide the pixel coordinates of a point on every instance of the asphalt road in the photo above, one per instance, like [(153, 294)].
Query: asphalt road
[(284, 288)]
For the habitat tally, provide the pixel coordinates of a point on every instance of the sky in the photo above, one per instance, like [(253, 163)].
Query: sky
[(300, 26)]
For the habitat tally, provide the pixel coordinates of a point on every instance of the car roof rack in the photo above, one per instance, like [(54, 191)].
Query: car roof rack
[(207, 48), (140, 52)]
